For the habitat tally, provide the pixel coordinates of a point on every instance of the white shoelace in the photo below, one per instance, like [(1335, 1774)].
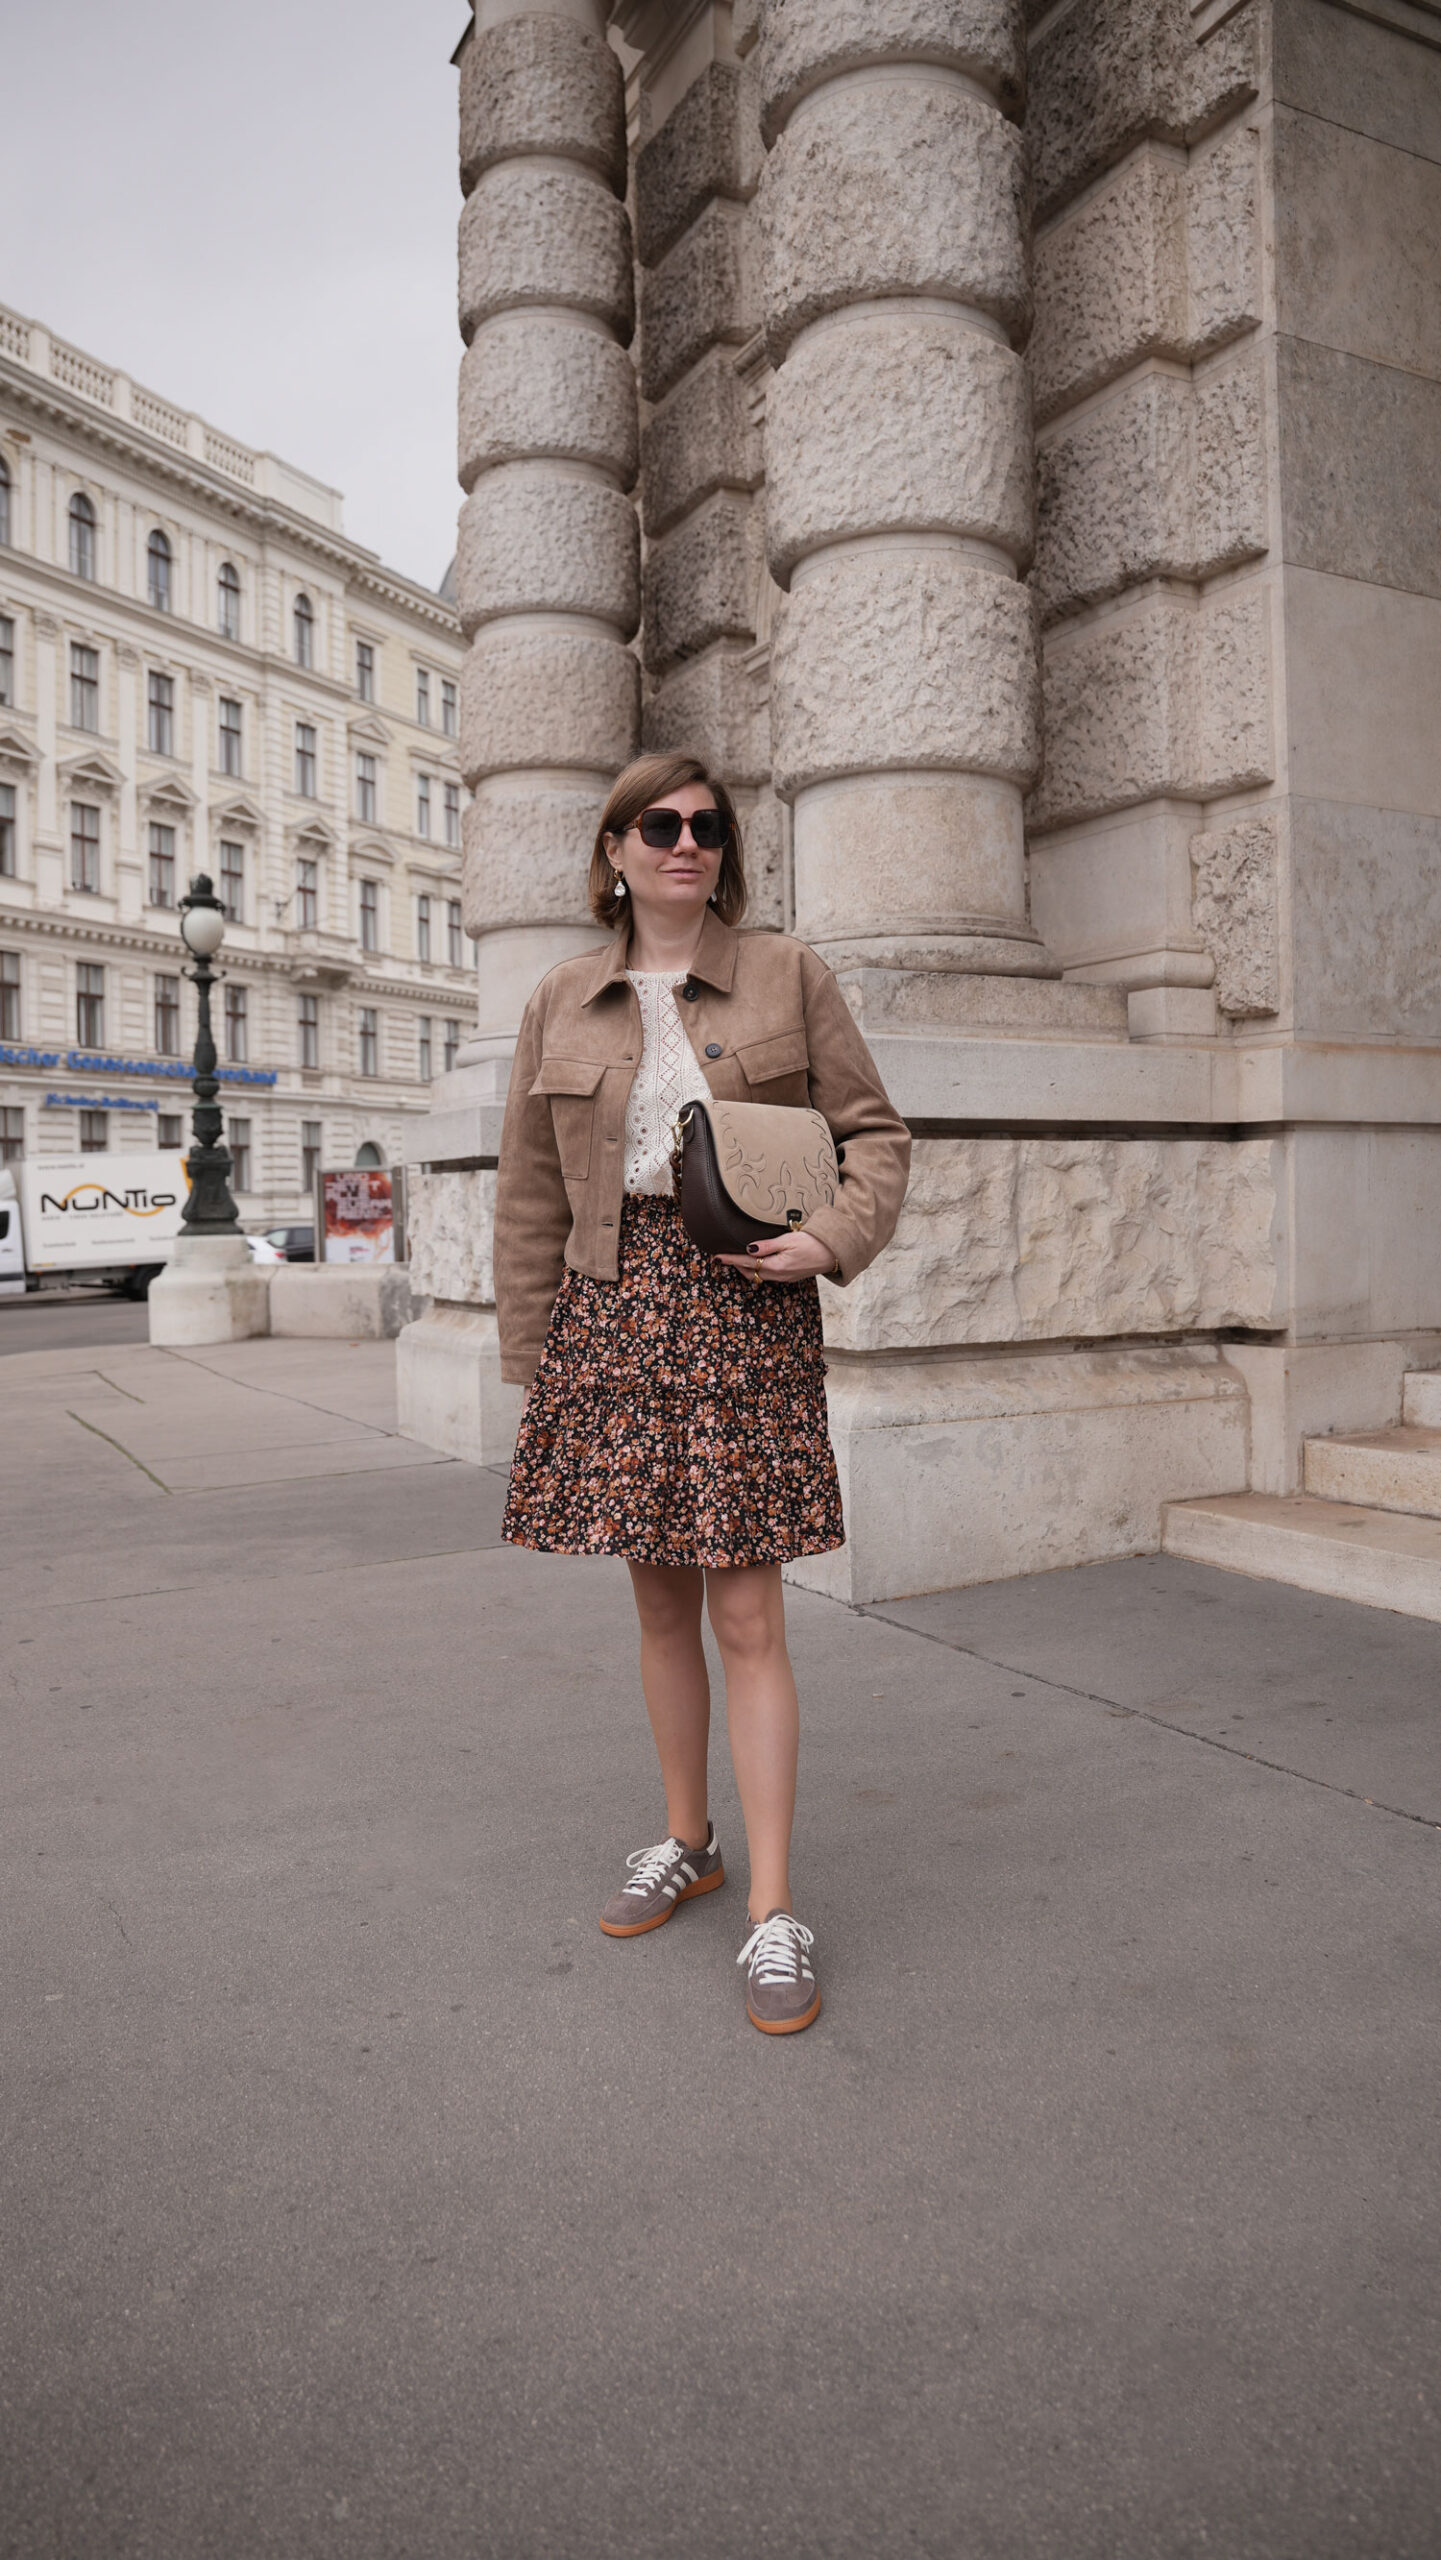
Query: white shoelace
[(650, 1864), (779, 1946)]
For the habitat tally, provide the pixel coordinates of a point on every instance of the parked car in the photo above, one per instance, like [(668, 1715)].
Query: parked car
[(262, 1250), (293, 1244)]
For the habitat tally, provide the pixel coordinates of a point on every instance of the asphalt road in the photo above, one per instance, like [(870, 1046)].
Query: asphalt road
[(357, 2197), (44, 1323)]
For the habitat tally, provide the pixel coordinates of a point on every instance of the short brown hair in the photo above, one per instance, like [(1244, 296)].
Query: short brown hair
[(643, 782)]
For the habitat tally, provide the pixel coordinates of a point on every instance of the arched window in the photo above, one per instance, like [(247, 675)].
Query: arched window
[(82, 536), (4, 501), (304, 632), (157, 556), (369, 1156), (229, 601)]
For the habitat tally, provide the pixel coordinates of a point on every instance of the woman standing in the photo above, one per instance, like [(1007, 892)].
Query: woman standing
[(677, 1412)]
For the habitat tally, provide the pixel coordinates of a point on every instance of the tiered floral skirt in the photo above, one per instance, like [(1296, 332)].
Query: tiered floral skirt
[(678, 1415)]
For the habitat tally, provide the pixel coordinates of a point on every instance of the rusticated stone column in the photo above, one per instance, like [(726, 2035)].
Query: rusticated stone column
[(899, 475), (548, 566)]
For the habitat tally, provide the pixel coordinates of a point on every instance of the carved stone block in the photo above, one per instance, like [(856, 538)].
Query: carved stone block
[(541, 84), (700, 439), (533, 542), (1161, 260), (806, 41), (932, 182), (537, 383), (700, 581), (1167, 699), (1111, 73), (714, 707), (534, 233), (450, 1232), (903, 659), (889, 422), (1031, 1239), (532, 697), (705, 292), (709, 145), (1234, 904)]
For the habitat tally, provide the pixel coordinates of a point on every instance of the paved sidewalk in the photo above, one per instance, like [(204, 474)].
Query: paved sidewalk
[(360, 2198)]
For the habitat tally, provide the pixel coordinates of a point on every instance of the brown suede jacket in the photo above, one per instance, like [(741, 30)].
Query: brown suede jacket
[(767, 1022)]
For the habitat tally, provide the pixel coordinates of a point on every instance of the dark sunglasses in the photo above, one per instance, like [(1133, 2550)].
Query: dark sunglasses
[(661, 829)]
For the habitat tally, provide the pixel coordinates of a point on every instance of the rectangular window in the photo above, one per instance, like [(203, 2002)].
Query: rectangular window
[(365, 790), (8, 849), (84, 847), (422, 804), (452, 813), (169, 1129), (447, 708), (308, 1015), (160, 715), (304, 760), (364, 672), (423, 1053), (232, 882), (422, 928), (7, 659), (9, 995), (369, 1041), (307, 895), (229, 735), (162, 866), (422, 697), (310, 1137), (167, 1018), (370, 915), (452, 1043), (236, 1012), (84, 687), (12, 1134), (94, 1132), (89, 1004), (454, 935), (238, 1134)]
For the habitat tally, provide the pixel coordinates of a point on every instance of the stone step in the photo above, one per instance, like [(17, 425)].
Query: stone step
[(1384, 1559), (1397, 1470), (1421, 1398)]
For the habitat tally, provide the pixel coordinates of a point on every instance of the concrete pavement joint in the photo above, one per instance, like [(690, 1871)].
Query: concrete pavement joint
[(120, 1445), (282, 1395), (118, 1389), (1148, 1715)]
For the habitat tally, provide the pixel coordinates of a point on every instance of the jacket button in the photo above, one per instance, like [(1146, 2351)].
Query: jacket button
[(690, 993), (712, 1048)]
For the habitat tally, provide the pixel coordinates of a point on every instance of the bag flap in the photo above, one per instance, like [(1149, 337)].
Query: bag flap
[(784, 1053), (774, 1161), (569, 1075)]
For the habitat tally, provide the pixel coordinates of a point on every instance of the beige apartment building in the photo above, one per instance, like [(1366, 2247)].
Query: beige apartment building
[(200, 671)]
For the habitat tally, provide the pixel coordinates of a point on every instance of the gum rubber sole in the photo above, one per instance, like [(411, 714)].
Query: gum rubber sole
[(638, 1928), (785, 2026)]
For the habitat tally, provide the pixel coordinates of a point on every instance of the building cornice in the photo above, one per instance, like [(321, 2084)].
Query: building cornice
[(267, 518)]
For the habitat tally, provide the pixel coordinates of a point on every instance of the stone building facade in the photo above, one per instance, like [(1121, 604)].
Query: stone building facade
[(198, 670), (1004, 440)]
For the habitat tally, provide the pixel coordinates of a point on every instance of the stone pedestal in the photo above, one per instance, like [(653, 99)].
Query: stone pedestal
[(449, 1387), (209, 1291)]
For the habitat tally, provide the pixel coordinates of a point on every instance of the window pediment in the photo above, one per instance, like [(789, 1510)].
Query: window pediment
[(368, 732), (239, 812), (91, 773), (16, 748)]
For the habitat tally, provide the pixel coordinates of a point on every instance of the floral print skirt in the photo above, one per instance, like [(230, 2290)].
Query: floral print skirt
[(678, 1415)]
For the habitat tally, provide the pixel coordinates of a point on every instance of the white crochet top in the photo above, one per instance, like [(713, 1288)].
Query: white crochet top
[(668, 1075)]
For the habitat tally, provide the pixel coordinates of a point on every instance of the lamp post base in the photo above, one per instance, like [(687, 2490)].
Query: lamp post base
[(209, 1291)]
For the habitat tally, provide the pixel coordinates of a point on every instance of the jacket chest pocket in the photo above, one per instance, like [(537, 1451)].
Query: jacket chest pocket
[(571, 1085), (776, 1069)]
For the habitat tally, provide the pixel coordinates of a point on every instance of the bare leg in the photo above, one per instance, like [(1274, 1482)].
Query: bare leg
[(747, 1611), (677, 1689)]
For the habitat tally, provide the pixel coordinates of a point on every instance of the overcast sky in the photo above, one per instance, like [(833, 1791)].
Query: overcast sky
[(252, 210)]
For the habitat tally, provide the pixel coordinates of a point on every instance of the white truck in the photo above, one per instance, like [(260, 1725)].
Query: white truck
[(102, 1219)]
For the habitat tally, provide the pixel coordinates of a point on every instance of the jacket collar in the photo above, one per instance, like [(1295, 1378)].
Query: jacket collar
[(714, 962)]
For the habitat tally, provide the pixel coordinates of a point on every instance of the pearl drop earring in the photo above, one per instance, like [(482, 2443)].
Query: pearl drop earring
[(620, 884)]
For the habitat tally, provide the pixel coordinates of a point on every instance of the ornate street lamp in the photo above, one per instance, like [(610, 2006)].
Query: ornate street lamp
[(210, 1210)]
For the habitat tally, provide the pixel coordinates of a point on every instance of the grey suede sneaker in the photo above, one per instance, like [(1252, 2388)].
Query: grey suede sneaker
[(782, 1995), (660, 1878)]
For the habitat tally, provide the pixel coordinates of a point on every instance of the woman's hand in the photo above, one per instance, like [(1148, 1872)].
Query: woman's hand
[(794, 1257)]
